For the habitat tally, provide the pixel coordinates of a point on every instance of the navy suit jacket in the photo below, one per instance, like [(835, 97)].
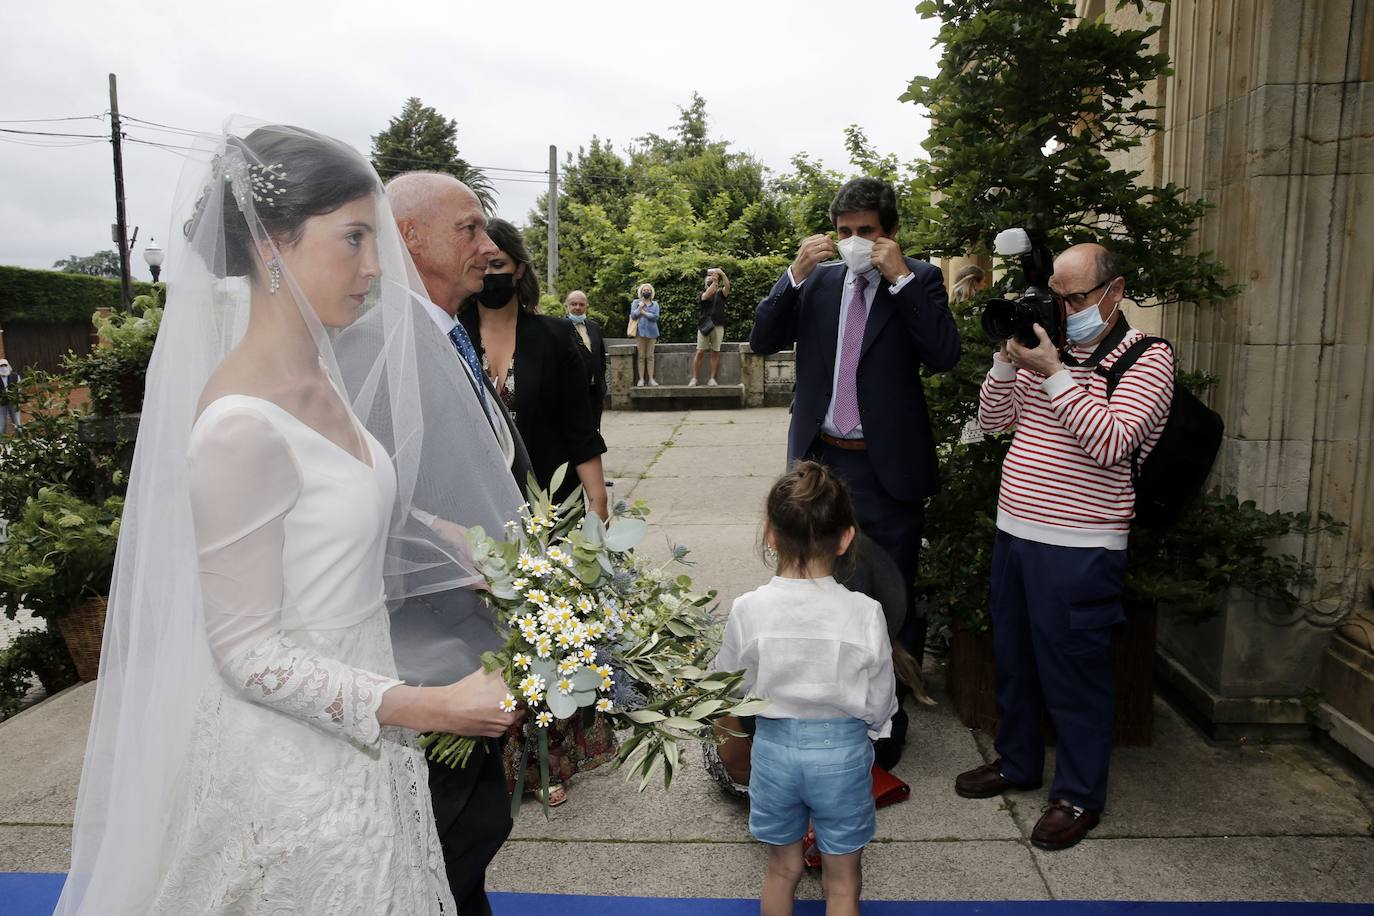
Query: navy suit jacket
[(905, 330)]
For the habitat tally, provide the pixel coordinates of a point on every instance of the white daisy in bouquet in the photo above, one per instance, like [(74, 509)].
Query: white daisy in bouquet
[(592, 626)]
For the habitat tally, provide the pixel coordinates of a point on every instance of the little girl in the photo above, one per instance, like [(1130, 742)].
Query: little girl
[(820, 654)]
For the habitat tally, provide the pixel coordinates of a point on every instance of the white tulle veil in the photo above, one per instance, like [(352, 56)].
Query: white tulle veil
[(156, 659)]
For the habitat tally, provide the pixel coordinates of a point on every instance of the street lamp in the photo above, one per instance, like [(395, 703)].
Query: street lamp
[(153, 254)]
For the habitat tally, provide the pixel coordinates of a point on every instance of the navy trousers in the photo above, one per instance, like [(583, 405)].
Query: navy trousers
[(895, 524), (1053, 609)]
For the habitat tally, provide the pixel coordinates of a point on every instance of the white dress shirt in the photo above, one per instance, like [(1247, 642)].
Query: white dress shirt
[(815, 650), (870, 293), (446, 323)]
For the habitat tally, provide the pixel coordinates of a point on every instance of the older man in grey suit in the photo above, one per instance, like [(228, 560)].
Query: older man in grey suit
[(444, 228)]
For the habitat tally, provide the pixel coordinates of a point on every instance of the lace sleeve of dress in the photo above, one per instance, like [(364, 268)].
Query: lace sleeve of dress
[(244, 481)]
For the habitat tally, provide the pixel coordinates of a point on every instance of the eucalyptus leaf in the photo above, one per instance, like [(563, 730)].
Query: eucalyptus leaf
[(545, 668), (625, 533), (586, 679), (560, 705), (594, 529)]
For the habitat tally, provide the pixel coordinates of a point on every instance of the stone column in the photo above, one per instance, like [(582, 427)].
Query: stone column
[(1270, 116)]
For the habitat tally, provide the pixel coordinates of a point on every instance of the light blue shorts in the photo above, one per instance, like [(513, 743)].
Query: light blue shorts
[(812, 769)]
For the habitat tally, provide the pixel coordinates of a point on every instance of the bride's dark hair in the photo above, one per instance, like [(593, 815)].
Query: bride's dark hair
[(292, 175)]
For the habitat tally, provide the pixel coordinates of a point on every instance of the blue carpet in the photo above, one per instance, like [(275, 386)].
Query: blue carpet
[(36, 895)]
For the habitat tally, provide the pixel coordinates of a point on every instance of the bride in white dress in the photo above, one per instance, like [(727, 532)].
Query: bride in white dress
[(252, 750)]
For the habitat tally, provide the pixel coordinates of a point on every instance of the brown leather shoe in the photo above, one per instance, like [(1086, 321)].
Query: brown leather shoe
[(1061, 826), (985, 782)]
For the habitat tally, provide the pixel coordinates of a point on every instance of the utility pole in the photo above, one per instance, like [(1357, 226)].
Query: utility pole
[(121, 223), (553, 219)]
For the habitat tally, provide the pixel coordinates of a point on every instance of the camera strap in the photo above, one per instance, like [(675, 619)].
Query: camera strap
[(1105, 346)]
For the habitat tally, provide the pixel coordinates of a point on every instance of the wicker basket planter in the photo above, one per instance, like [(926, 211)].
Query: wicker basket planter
[(83, 628)]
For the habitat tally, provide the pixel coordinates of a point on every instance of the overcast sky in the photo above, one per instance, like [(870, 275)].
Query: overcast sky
[(779, 78)]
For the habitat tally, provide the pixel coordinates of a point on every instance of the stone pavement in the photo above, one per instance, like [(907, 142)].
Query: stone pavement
[(1188, 819)]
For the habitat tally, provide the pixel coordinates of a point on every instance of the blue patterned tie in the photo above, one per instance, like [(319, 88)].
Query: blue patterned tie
[(463, 344)]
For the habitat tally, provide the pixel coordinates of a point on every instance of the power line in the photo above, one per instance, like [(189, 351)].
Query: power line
[(510, 173), (50, 144), (45, 133), (94, 117)]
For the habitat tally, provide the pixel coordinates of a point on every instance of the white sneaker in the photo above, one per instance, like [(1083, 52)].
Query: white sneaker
[(711, 383), (639, 384), (654, 382), (692, 383)]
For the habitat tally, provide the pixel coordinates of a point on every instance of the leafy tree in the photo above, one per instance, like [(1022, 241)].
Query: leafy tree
[(100, 264), (1013, 77), (421, 139), (697, 187), (1016, 77)]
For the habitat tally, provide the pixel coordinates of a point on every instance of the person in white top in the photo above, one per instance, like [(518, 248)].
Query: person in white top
[(820, 655)]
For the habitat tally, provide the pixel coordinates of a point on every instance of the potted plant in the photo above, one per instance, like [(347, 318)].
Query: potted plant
[(117, 369), (39, 652), (48, 449), (57, 563)]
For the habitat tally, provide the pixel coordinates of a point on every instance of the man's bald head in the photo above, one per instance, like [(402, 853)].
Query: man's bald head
[(576, 302), (445, 230), (1088, 260), (414, 195)]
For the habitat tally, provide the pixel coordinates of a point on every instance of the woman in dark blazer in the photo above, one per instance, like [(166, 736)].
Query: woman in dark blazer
[(535, 364)]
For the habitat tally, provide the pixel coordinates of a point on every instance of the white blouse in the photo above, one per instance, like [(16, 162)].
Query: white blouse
[(814, 649)]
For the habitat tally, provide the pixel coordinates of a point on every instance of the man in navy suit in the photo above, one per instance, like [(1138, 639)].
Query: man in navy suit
[(863, 328)]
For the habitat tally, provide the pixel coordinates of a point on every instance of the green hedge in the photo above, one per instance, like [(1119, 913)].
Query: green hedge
[(53, 297), (678, 289)]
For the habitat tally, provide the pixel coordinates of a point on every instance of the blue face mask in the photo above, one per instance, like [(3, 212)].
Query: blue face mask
[(578, 319), (1086, 325)]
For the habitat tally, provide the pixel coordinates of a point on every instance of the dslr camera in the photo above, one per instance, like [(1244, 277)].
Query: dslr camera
[(1007, 318)]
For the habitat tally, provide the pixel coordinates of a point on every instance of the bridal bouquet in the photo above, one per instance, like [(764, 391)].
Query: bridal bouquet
[(591, 625)]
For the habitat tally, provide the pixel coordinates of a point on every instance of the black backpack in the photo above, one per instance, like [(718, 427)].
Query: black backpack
[(1172, 476)]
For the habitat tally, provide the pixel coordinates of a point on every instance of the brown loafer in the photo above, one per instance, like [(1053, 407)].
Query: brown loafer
[(1062, 826), (985, 782)]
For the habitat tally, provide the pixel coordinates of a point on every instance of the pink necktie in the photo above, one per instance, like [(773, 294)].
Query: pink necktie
[(846, 386)]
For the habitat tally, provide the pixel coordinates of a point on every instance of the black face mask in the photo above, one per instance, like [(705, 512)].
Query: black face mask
[(497, 290)]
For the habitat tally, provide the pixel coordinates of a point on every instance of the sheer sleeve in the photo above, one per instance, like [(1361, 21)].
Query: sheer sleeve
[(244, 481)]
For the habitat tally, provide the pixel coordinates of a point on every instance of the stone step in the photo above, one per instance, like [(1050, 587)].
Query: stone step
[(687, 397)]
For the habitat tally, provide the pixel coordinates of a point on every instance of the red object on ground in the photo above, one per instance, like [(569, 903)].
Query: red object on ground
[(888, 789)]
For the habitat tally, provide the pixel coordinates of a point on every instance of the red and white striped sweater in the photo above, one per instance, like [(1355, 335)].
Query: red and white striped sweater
[(1067, 478)]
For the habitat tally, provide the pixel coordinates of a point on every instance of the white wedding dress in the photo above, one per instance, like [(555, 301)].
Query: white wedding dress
[(293, 799)]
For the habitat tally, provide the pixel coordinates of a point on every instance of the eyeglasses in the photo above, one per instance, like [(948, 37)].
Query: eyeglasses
[(1079, 301)]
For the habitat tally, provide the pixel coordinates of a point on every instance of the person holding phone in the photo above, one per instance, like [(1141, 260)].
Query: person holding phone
[(711, 323), (644, 313)]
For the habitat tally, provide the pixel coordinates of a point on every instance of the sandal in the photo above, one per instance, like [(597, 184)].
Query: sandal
[(557, 795)]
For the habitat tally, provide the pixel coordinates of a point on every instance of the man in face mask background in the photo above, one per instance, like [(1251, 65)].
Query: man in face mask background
[(1063, 518), (9, 397), (593, 340), (863, 327)]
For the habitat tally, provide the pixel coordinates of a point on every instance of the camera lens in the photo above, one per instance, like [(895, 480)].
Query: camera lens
[(999, 319)]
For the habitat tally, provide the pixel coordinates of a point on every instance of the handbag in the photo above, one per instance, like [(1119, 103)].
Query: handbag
[(632, 329), (888, 789)]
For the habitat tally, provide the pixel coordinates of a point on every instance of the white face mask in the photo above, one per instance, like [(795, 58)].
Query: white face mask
[(857, 254), (1084, 327), (5, 370)]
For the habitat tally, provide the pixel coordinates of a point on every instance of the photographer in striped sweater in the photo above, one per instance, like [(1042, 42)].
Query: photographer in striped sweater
[(1063, 517)]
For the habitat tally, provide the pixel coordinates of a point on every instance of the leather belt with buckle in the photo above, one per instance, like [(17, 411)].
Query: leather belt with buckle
[(849, 445)]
